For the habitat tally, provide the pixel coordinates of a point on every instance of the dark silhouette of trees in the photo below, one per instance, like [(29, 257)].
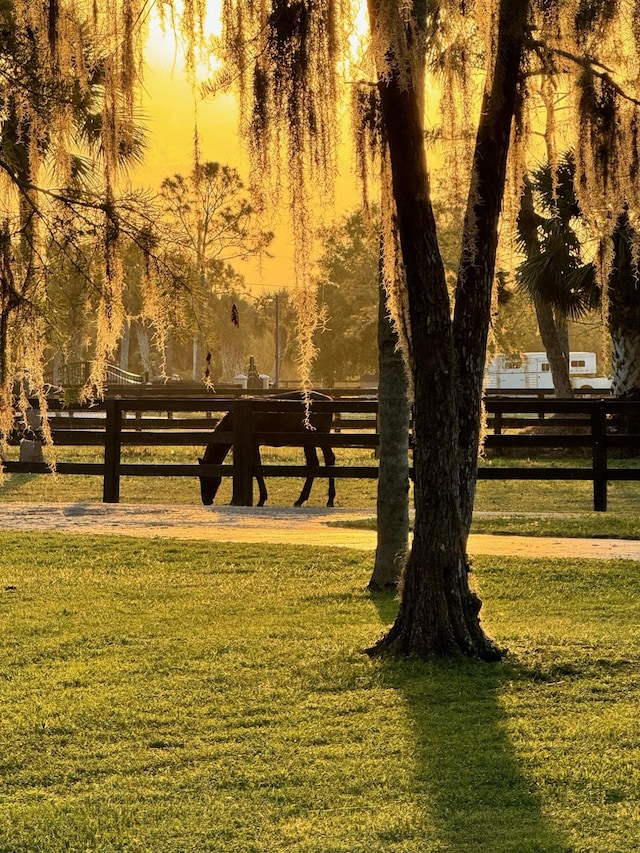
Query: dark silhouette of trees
[(553, 276)]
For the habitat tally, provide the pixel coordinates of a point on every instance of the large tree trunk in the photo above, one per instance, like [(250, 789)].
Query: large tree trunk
[(480, 241), (394, 411), (625, 354), (393, 471), (438, 612)]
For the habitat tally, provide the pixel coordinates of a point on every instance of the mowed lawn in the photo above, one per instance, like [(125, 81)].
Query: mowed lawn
[(169, 697)]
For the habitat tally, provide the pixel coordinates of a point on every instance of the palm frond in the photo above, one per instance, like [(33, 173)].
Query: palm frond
[(584, 293)]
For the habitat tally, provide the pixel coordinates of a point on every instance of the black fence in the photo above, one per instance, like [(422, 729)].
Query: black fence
[(169, 422), (605, 431), (602, 431)]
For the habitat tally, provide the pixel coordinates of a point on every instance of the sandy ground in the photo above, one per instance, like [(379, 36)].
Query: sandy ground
[(305, 526)]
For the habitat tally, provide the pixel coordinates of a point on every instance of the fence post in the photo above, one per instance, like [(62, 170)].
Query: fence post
[(497, 426), (497, 422), (242, 453), (113, 431), (599, 451)]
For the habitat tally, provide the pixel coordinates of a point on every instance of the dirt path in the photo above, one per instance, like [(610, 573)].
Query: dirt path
[(307, 526)]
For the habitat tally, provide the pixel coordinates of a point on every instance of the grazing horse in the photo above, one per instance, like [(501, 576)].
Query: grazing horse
[(319, 424)]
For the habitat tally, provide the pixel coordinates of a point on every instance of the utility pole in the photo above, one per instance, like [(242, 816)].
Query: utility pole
[(277, 367)]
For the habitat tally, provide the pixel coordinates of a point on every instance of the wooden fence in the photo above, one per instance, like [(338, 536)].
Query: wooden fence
[(594, 428), (171, 422), (514, 425)]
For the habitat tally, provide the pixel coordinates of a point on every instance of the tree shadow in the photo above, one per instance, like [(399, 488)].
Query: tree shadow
[(13, 484), (476, 792), (482, 801)]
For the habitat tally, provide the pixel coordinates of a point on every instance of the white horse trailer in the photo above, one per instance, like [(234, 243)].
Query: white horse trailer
[(532, 370)]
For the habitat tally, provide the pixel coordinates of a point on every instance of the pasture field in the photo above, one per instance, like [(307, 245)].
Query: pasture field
[(282, 491), (551, 508), (174, 697), (585, 525)]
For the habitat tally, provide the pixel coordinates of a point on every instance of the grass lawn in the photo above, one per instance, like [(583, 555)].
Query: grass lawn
[(589, 525), (172, 697), (183, 490)]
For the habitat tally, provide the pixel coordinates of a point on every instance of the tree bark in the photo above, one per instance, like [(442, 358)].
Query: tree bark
[(394, 411), (474, 286), (625, 352), (439, 614), (393, 471), (555, 349)]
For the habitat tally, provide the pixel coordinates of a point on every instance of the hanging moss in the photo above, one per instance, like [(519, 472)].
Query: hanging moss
[(67, 129), (593, 16)]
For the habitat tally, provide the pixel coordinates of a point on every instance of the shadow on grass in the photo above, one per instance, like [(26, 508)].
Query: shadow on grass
[(467, 770), (482, 800), (13, 484)]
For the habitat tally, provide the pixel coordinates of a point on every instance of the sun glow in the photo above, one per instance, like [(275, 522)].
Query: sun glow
[(166, 48), (172, 107)]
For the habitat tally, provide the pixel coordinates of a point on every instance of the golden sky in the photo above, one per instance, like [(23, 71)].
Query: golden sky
[(170, 109)]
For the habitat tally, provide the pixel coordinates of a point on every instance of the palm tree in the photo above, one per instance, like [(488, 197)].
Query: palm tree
[(623, 318), (553, 276)]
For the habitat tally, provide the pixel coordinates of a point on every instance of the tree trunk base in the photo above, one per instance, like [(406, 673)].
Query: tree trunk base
[(397, 643), (372, 586), (445, 624)]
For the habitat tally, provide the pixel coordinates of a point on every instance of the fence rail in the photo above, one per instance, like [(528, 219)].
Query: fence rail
[(594, 428)]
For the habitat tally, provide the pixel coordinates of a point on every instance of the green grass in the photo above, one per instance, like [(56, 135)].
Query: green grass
[(169, 697), (182, 490), (544, 496), (517, 507), (589, 525), (609, 525)]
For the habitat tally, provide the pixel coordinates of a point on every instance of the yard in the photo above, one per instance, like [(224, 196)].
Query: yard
[(170, 696)]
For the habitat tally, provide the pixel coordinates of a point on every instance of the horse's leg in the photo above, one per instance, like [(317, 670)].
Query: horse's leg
[(312, 462), (330, 459), (262, 487)]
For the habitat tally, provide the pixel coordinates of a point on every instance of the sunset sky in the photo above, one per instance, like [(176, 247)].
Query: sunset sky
[(170, 107)]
